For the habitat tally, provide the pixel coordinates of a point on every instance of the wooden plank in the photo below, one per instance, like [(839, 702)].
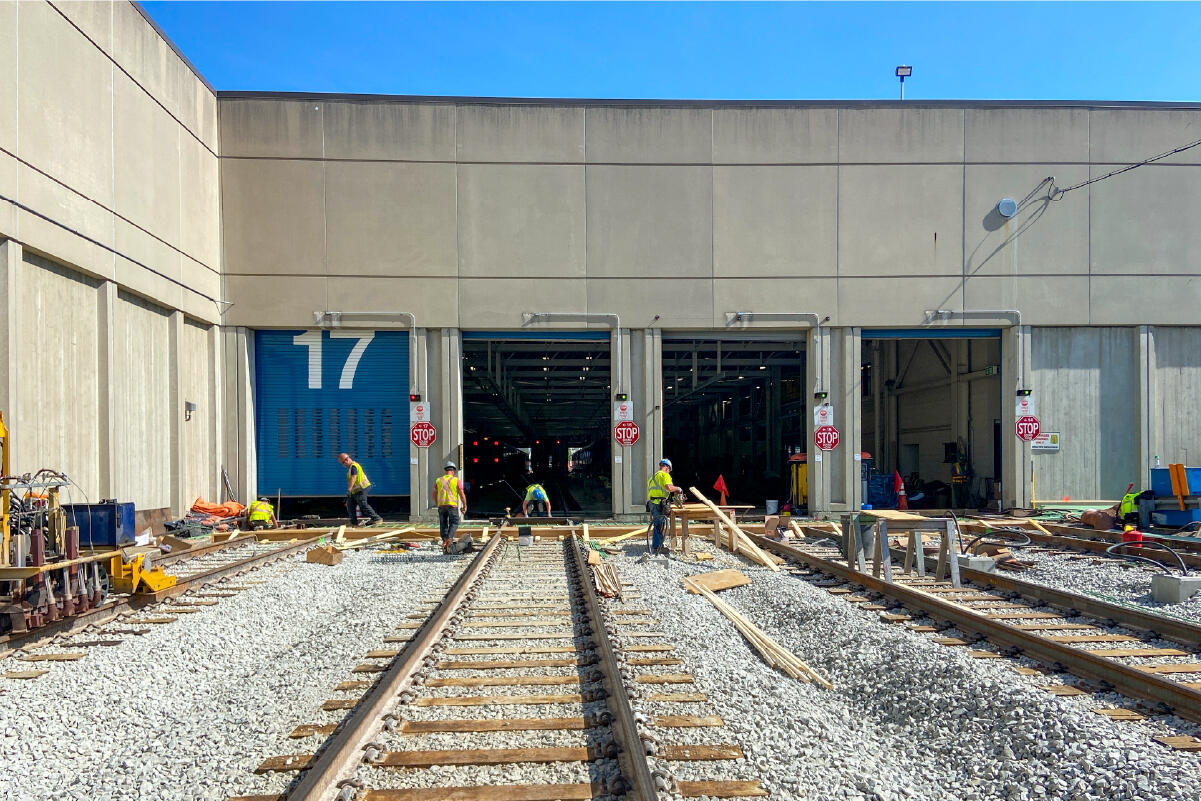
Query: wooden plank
[(1179, 667), (501, 681), (687, 721), (488, 637), (310, 729), (155, 621), (339, 703), (287, 762), (1139, 652), (1064, 690), (353, 685), (1023, 615), (700, 753), (492, 792), (500, 700), (24, 674), (630, 611), (381, 654), (684, 698), (1180, 743), (1120, 714), (484, 756), (501, 664), (489, 725), (490, 615), (514, 624), (654, 660), (984, 655), (720, 789), (63, 657), (1055, 627), (952, 641), (1028, 671), (1092, 638), (370, 668), (648, 648), (665, 678), (498, 651)]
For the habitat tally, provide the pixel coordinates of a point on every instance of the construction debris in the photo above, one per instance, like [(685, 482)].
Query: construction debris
[(739, 542), (719, 580), (324, 555), (772, 652)]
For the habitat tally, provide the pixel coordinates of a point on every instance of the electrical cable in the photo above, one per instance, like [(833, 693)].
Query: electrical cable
[(1057, 193)]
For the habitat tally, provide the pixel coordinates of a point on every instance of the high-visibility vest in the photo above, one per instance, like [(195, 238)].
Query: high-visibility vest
[(360, 478), (261, 510), (1129, 505), (448, 490), (656, 486)]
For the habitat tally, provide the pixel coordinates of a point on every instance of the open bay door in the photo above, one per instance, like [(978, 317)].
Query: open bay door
[(319, 393)]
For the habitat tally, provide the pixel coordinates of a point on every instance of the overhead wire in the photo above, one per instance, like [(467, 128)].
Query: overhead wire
[(1057, 193)]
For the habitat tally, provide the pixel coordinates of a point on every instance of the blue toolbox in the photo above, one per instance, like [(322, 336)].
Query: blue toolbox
[(107, 524)]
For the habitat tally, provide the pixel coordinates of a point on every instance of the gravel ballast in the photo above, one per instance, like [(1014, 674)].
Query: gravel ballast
[(190, 709), (907, 718)]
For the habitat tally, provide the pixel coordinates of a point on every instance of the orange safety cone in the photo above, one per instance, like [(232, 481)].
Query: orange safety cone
[(899, 485)]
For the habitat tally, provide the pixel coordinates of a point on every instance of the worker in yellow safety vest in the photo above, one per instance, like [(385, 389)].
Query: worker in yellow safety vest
[(536, 501), (261, 514), (658, 502), (356, 492), (451, 501)]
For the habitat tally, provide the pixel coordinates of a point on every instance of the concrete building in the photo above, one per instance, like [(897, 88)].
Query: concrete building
[(165, 245)]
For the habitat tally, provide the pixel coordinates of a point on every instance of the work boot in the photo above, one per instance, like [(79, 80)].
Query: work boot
[(375, 521)]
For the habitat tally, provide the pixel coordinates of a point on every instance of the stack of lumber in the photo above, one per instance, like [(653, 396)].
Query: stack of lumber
[(608, 583), (772, 652), (742, 543)]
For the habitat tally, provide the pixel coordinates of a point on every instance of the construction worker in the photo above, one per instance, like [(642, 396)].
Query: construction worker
[(960, 482), (451, 501), (658, 502), (356, 491), (536, 502), (261, 514)]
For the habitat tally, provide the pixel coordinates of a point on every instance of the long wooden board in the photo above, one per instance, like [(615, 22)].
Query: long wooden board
[(1182, 667), (718, 580), (510, 724), (685, 698), (501, 681), (500, 700), (484, 756), (498, 651), (492, 792), (502, 664), (700, 753), (665, 678), (721, 789)]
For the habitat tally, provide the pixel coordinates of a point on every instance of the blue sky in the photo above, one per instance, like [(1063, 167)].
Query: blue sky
[(1085, 51)]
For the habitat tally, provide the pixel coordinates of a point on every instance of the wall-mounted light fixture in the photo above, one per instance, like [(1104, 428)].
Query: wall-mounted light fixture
[(188, 408)]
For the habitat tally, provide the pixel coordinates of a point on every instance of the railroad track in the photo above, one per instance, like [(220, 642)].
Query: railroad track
[(511, 689), (195, 569), (1063, 631)]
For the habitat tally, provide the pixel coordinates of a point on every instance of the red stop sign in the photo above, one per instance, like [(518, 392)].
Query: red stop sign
[(1027, 428), (423, 434), (825, 438), (626, 433)]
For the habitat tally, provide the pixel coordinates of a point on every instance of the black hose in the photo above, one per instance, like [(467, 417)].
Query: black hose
[(1148, 544)]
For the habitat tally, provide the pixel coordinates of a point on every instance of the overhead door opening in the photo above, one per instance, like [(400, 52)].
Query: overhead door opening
[(321, 393), (536, 410), (734, 409), (931, 413)]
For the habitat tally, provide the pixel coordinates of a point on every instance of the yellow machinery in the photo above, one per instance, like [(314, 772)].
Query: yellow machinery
[(798, 481), (4, 493), (133, 574)]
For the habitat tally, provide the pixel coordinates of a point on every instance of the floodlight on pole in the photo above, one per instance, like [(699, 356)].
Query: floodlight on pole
[(903, 72)]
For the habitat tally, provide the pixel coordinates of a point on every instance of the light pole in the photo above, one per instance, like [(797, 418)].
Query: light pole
[(903, 72)]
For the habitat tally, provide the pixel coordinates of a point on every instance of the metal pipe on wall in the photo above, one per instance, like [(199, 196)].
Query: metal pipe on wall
[(333, 319)]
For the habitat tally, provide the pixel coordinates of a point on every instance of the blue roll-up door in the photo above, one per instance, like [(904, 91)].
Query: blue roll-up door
[(319, 393)]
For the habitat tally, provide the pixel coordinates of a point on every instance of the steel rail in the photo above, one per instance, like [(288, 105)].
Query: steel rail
[(1182, 700), (344, 748), (112, 610), (632, 756), (247, 538), (1180, 631)]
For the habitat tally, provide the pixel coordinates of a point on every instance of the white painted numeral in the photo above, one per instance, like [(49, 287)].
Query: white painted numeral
[(312, 341), (356, 353)]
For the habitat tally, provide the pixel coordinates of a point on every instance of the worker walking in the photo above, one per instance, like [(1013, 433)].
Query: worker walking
[(536, 502), (658, 502), (261, 514), (356, 491), (451, 501)]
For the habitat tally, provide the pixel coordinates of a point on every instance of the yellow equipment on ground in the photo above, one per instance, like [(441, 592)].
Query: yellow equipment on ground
[(133, 575)]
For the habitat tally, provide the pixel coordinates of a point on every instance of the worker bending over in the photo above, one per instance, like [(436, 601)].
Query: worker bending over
[(261, 515), (451, 501), (536, 502), (658, 502), (356, 491)]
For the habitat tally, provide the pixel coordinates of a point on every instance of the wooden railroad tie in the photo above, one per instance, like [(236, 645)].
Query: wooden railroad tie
[(543, 792), (1120, 714), (500, 700), (1190, 667), (502, 681)]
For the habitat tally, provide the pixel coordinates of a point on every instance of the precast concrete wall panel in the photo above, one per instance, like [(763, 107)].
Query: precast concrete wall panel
[(1144, 221), (386, 219), (273, 216), (774, 222), (382, 131), (1086, 387), (522, 220), (1042, 299), (775, 136), (276, 129), (900, 135), (196, 386), (648, 135), (57, 384), (1176, 433), (143, 420), (507, 133), (8, 87), (1024, 135)]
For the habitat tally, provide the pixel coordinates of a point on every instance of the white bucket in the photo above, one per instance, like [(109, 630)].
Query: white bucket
[(773, 507), (525, 540)]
